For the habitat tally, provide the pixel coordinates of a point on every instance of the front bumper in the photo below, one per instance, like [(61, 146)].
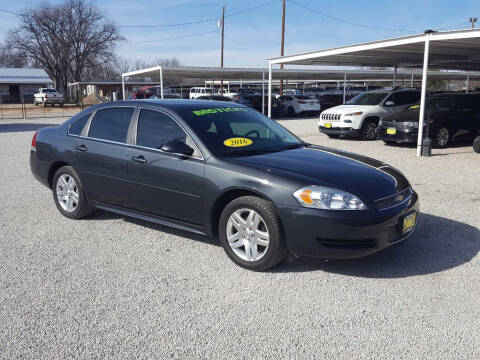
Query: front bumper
[(408, 135), (346, 131), (332, 234)]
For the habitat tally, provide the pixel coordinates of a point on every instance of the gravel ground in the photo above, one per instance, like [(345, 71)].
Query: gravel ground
[(112, 287)]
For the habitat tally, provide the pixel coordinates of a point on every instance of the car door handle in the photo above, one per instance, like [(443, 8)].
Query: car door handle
[(81, 148), (140, 159)]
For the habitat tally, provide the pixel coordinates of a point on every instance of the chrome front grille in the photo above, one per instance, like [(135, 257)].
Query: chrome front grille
[(394, 200), (330, 116)]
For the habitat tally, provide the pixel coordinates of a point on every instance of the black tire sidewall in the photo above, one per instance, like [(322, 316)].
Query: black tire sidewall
[(276, 249), (476, 144), (83, 208)]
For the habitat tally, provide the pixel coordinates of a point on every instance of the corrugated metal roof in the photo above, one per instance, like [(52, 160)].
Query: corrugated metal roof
[(24, 76)]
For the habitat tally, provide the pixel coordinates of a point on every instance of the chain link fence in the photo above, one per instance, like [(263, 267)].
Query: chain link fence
[(30, 111)]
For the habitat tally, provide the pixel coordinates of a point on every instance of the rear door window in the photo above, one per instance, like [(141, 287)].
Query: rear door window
[(111, 124), (77, 127)]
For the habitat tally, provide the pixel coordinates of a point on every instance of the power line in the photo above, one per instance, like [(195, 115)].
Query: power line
[(9, 12), (201, 20), (344, 20), (369, 26), (174, 37)]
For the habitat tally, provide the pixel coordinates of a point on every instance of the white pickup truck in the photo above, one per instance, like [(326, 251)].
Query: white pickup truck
[(48, 96)]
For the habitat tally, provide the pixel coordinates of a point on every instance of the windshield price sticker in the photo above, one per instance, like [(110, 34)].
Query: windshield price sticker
[(218, 110), (237, 142)]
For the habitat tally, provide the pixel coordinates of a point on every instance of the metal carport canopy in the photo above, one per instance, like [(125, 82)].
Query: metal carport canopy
[(447, 50)]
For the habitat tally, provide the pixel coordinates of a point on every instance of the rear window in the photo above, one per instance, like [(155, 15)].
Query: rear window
[(111, 124), (49, 90), (303, 97)]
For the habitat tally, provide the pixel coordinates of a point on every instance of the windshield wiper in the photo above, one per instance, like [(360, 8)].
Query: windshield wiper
[(249, 152), (293, 146)]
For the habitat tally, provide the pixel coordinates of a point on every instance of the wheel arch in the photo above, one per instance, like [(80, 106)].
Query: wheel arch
[(53, 169), (225, 198)]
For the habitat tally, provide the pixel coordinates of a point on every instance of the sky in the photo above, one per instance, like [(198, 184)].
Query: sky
[(252, 36)]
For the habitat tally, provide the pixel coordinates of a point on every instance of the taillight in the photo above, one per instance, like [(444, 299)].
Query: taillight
[(34, 141)]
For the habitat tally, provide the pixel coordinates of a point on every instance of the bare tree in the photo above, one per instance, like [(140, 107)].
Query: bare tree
[(11, 58), (66, 39)]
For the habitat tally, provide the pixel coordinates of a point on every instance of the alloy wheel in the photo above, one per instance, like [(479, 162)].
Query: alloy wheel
[(442, 137), (371, 131), (67, 193), (247, 234)]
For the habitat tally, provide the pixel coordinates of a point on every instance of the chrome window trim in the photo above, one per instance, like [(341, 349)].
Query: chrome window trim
[(101, 140)]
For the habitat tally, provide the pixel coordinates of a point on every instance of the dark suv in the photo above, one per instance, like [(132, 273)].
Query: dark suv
[(447, 116)]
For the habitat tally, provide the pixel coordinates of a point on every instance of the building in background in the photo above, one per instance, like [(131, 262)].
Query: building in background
[(19, 85)]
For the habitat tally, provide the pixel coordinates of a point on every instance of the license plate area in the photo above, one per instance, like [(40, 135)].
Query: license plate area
[(408, 222), (327, 125), (391, 131)]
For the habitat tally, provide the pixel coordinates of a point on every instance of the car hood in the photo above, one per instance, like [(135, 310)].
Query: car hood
[(365, 177), (346, 109), (403, 116)]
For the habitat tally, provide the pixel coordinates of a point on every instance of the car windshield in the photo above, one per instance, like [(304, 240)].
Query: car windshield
[(238, 131), (367, 98)]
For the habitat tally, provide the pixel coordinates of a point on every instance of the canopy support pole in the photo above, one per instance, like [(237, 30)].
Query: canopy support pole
[(423, 95), (344, 86), (411, 80), (123, 87), (263, 93), (269, 89), (394, 76), (468, 84), (161, 83)]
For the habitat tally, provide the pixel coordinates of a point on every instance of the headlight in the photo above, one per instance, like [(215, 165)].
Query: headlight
[(355, 113), (320, 197)]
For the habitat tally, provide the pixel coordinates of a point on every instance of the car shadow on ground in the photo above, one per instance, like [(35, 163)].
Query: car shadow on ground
[(20, 127), (438, 244)]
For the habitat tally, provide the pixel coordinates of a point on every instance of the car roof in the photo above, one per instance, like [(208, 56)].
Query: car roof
[(172, 104)]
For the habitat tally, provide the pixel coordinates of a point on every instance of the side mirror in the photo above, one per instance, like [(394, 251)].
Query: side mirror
[(177, 147), (389, 103)]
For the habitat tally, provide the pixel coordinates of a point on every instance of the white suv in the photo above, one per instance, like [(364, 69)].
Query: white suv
[(359, 116), (297, 104)]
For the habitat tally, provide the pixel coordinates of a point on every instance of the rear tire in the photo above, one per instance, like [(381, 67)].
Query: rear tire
[(369, 130), (476, 144), (250, 233), (68, 194)]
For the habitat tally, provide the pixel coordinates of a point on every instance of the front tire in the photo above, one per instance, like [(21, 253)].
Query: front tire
[(441, 137), (68, 194), (369, 130), (476, 144), (250, 233)]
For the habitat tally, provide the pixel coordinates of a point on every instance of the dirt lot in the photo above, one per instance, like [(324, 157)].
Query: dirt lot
[(112, 287)]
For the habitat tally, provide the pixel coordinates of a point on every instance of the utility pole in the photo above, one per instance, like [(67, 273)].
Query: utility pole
[(221, 56), (282, 47), (473, 21)]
